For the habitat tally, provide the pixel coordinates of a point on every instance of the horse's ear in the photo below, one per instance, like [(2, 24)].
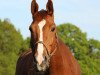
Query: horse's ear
[(34, 7), (49, 7)]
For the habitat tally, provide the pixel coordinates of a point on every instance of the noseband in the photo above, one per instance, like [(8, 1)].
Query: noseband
[(49, 55)]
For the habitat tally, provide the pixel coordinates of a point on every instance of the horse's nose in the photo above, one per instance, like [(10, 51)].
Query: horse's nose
[(40, 59), (42, 66)]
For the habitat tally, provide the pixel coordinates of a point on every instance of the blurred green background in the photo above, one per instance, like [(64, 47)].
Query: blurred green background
[(12, 44)]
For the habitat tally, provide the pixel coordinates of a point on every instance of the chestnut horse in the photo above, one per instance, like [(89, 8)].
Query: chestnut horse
[(48, 54)]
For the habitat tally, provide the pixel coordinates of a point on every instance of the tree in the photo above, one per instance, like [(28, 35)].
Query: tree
[(87, 52), (10, 45)]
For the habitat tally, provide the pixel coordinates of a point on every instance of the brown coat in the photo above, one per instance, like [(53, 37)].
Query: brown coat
[(61, 63)]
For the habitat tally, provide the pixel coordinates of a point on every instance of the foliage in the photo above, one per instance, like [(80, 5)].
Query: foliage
[(25, 45), (12, 44), (87, 52)]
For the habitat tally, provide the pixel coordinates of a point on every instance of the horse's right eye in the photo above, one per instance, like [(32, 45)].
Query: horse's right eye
[(30, 29)]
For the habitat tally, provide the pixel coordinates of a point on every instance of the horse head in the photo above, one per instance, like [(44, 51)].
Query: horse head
[(43, 34)]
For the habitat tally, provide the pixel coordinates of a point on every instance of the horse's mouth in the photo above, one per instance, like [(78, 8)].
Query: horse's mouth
[(43, 67)]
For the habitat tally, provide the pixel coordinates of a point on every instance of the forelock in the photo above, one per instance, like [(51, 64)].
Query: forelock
[(40, 15)]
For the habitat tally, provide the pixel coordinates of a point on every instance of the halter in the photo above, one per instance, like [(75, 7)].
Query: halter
[(49, 55)]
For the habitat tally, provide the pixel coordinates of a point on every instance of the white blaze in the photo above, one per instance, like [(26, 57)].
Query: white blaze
[(40, 49)]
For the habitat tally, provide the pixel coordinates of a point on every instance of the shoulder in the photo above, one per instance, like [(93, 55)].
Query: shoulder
[(27, 52), (25, 55)]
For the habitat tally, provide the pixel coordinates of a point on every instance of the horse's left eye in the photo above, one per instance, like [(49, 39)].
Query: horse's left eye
[(53, 29)]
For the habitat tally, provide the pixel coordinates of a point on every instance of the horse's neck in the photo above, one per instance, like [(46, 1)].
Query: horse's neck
[(62, 61)]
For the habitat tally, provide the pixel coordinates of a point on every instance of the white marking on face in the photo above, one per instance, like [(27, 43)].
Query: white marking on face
[(40, 49)]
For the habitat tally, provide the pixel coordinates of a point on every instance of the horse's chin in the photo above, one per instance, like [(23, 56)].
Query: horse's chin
[(43, 66)]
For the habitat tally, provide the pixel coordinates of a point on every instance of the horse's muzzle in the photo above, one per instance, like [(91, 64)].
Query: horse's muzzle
[(44, 66)]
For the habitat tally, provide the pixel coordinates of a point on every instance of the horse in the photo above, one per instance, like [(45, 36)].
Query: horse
[(48, 54)]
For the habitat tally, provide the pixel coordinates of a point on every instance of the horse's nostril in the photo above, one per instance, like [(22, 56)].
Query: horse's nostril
[(45, 58)]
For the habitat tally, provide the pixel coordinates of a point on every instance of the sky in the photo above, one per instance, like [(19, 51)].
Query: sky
[(85, 14)]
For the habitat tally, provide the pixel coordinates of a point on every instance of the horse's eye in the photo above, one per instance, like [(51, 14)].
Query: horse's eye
[(53, 29), (30, 29)]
